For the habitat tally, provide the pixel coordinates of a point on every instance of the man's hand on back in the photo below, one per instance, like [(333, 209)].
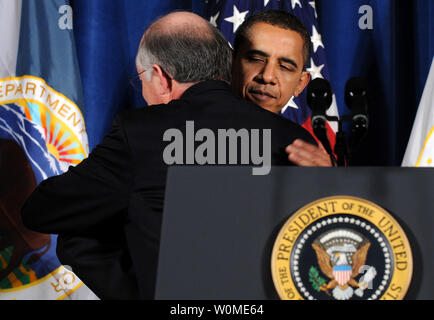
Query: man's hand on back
[(307, 155)]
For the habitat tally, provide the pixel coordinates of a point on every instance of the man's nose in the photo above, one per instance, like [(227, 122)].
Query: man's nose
[(268, 74)]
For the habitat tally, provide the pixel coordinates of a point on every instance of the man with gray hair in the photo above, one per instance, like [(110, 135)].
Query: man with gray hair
[(108, 210), (184, 48)]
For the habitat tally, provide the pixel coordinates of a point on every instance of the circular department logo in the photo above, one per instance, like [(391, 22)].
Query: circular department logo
[(341, 248)]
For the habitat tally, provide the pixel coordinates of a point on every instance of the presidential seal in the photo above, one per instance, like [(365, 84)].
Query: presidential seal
[(341, 248)]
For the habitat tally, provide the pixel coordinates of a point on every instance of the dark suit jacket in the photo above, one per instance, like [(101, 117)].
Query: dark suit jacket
[(108, 210)]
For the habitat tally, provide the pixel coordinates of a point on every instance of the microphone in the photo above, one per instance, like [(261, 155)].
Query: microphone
[(319, 99), (356, 98)]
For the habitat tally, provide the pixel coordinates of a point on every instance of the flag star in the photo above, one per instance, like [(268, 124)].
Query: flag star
[(316, 39), (315, 71), (294, 3), (291, 103), (312, 4), (213, 19), (266, 2), (237, 19)]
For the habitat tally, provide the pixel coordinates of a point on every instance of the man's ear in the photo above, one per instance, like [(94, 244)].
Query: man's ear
[(303, 82), (164, 81)]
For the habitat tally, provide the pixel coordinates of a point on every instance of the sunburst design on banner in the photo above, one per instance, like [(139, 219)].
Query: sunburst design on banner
[(59, 140)]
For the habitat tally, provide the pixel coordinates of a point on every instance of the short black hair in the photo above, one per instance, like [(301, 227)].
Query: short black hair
[(278, 18)]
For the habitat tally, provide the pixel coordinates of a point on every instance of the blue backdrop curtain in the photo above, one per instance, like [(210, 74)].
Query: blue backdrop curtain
[(107, 37), (394, 57)]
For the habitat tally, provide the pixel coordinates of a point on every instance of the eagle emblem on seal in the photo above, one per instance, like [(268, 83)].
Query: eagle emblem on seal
[(341, 256)]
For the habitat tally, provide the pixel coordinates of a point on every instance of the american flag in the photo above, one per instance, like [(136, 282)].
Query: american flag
[(228, 15)]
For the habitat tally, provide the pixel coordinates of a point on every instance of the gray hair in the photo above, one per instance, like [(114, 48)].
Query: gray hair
[(188, 54)]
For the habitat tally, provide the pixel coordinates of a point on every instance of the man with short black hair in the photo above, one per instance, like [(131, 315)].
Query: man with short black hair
[(108, 210), (271, 53)]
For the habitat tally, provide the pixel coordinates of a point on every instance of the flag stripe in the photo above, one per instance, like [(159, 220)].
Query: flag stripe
[(10, 19)]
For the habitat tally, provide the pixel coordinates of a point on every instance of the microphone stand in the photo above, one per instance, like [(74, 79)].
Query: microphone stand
[(341, 149), (341, 146)]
